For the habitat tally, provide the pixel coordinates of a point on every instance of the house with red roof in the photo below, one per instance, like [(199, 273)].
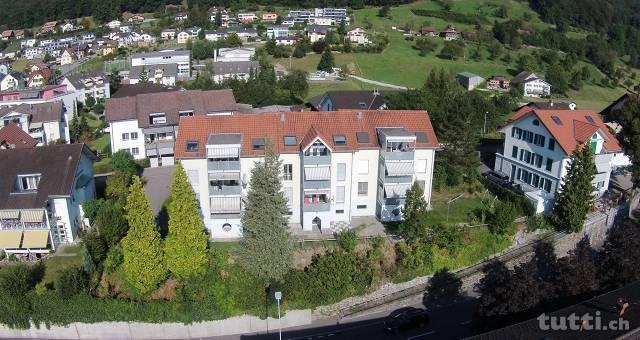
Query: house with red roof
[(539, 141), (13, 137), (339, 168)]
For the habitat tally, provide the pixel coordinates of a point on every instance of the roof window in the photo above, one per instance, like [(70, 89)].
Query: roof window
[(556, 120), (339, 140), (257, 143)]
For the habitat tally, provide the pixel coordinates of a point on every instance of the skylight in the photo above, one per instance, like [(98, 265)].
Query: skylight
[(290, 140), (192, 146), (257, 143), (422, 137), (339, 139), (590, 119), (362, 137), (556, 120)]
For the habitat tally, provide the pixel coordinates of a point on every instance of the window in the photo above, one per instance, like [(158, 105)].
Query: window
[(556, 120), (539, 161), (192, 146), (549, 164), (340, 211), (361, 206), (547, 186), (363, 188), (157, 118), (134, 135), (514, 152), (342, 171), (27, 182), (420, 166), (339, 139), (226, 227), (288, 195), (290, 140), (185, 113), (340, 194), (135, 151), (288, 172), (536, 122), (362, 137), (125, 136), (538, 140), (421, 137), (552, 144), (257, 144), (590, 119), (363, 167), (600, 185)]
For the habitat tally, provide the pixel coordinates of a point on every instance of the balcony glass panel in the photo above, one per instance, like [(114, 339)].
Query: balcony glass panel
[(223, 165)]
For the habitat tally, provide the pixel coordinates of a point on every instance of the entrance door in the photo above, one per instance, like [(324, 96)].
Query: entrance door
[(316, 222)]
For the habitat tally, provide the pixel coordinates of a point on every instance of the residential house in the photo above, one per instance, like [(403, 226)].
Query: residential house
[(531, 84), (357, 36), (181, 17), (68, 57), (498, 83), (224, 15), (449, 33), (114, 24), (13, 137), (338, 167), (215, 35), (538, 146), (44, 122), (164, 74), (18, 34), (6, 35), (41, 194), (68, 27), (90, 84), (108, 48), (28, 42), (88, 37), (348, 100), (136, 18), (322, 21), (316, 33), (469, 80), (246, 34), (608, 112), (182, 58), (183, 37), (288, 21), (39, 78), (233, 54), (125, 28), (146, 124), (33, 52), (286, 41), (428, 31), (48, 27), (269, 17), (234, 69), (246, 18), (5, 67), (336, 15), (276, 31), (193, 32), (11, 81), (168, 34)]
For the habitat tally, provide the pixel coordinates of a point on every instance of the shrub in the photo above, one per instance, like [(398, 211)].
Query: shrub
[(347, 240), (96, 246), (522, 204), (91, 208), (448, 236), (114, 259), (414, 256), (123, 161), (111, 222), (501, 221), (71, 281)]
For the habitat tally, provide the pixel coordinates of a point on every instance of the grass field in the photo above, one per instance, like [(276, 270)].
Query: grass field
[(320, 87), (68, 256)]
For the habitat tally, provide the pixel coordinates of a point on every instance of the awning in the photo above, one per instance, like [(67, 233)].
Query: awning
[(35, 125), (10, 238), (224, 176), (9, 214), (32, 215), (399, 168), (318, 173), (223, 152), (225, 204), (396, 190), (601, 167), (35, 239)]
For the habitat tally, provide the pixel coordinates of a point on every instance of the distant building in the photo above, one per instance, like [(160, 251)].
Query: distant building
[(316, 33), (234, 69), (277, 31), (13, 137), (270, 17), (469, 80), (449, 33), (498, 83), (182, 59), (531, 84), (91, 84), (428, 31), (357, 36), (348, 100), (164, 74), (168, 34), (234, 54), (44, 122)]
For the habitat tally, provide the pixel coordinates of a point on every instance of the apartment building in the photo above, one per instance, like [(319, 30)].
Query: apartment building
[(181, 58), (41, 193), (91, 84), (44, 122), (532, 85), (337, 166), (146, 124), (538, 146), (158, 74)]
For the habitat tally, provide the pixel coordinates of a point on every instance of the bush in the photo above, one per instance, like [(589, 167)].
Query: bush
[(414, 256), (501, 221), (448, 236), (114, 259), (71, 281), (347, 240), (91, 208), (96, 246), (111, 222), (522, 204), (123, 161)]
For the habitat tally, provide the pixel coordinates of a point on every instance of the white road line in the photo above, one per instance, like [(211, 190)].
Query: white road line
[(421, 335)]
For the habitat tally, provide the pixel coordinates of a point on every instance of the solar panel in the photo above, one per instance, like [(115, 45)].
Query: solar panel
[(556, 120), (362, 137)]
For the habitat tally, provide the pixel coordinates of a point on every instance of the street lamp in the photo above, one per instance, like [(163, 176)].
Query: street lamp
[(278, 296)]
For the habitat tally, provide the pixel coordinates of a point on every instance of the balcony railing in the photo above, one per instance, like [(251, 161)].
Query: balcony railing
[(393, 201), (398, 155), (316, 184), (225, 190), (223, 165), (398, 179), (317, 207), (17, 225), (317, 160)]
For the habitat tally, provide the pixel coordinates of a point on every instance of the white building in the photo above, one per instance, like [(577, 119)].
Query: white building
[(532, 85), (183, 37), (357, 36), (337, 166), (93, 84), (44, 122), (146, 125), (538, 145), (234, 54), (114, 24), (286, 41), (234, 69), (168, 34), (10, 81), (246, 17), (216, 35), (182, 58), (277, 31), (157, 74), (52, 183)]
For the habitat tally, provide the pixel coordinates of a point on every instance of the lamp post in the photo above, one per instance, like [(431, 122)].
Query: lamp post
[(278, 296)]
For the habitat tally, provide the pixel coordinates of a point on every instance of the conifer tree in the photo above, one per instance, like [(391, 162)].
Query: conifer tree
[(575, 198), (327, 62), (413, 225), (266, 249), (143, 263), (186, 244)]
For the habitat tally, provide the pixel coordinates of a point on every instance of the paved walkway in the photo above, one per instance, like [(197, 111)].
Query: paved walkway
[(379, 83), (157, 185)]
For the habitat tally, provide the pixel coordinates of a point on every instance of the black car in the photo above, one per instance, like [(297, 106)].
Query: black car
[(406, 318)]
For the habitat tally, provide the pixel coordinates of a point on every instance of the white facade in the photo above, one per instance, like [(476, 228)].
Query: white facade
[(8, 82), (126, 135), (277, 31), (183, 37), (234, 54), (181, 58)]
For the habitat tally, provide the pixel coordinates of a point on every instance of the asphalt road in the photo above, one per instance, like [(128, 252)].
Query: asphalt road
[(449, 322)]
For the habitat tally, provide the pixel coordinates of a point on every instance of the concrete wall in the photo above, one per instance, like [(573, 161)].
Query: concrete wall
[(137, 330)]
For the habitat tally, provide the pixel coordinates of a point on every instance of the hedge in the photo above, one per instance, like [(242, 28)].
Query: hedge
[(523, 205)]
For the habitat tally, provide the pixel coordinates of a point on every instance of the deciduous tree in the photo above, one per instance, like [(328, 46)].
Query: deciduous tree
[(629, 136)]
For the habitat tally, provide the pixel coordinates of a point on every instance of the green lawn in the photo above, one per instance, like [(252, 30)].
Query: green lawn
[(100, 143), (65, 257), (102, 166), (320, 87), (460, 210), (478, 244)]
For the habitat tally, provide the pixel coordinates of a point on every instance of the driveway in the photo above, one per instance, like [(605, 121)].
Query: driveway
[(157, 185)]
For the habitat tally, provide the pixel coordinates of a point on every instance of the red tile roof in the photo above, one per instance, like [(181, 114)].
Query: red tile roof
[(13, 137), (575, 128), (305, 126)]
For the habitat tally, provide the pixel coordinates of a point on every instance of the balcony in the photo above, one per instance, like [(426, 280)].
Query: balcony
[(225, 190), (317, 160), (223, 165), (398, 179), (398, 155), (393, 201), (159, 147), (316, 185), (315, 207)]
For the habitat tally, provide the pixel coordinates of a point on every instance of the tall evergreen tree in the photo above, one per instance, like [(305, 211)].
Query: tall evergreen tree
[(266, 249), (574, 200), (185, 247), (327, 63), (143, 263), (413, 225)]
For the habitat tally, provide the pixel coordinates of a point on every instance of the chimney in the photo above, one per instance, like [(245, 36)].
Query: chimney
[(283, 117), (359, 115), (376, 92), (550, 102)]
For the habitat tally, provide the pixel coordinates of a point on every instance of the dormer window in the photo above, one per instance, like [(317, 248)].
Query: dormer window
[(339, 140), (257, 144), (185, 113), (157, 118), (192, 146), (317, 149), (27, 182)]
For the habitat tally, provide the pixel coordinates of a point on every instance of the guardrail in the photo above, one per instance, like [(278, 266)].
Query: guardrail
[(460, 274)]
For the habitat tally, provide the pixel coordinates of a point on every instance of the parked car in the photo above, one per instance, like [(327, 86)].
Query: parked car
[(405, 318)]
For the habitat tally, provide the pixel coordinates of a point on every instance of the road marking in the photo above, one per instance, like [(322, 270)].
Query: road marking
[(421, 335), (333, 332)]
